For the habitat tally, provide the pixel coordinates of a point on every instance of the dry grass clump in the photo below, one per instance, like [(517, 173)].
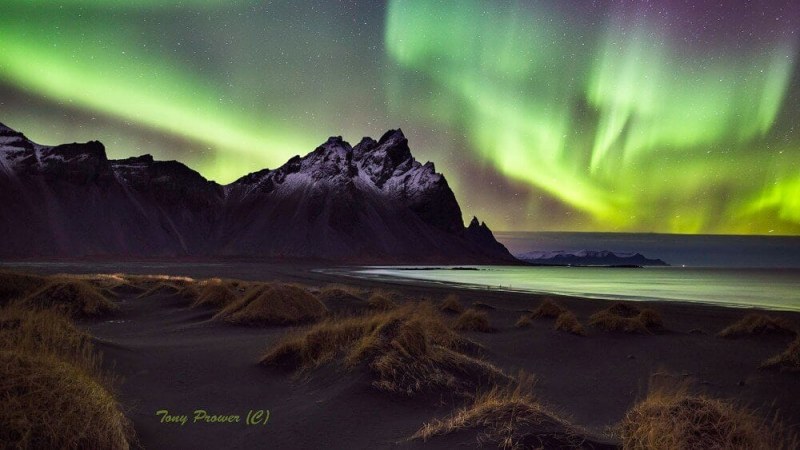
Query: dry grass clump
[(108, 281), (408, 350), (566, 321), (190, 292), (343, 300), (473, 320), (215, 293), (156, 284), (789, 360), (14, 285), (147, 281), (53, 393), (451, 304), (42, 330), (670, 417), (547, 309), (51, 403), (72, 296), (273, 304), (524, 321), (380, 302), (758, 325), (508, 417), (627, 318)]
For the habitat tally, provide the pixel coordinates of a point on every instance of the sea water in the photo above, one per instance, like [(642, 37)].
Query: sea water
[(735, 271), (761, 288)]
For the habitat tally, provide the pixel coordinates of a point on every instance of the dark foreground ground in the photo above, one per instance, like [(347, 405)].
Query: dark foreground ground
[(174, 358)]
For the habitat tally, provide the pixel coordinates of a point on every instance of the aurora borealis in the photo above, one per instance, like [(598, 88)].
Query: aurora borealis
[(641, 116)]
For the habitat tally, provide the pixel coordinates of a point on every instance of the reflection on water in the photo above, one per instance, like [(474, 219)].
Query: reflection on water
[(763, 288)]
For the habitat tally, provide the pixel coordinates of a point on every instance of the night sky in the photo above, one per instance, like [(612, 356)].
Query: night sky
[(572, 115)]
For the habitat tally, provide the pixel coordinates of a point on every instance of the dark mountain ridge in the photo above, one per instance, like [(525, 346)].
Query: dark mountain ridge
[(371, 203)]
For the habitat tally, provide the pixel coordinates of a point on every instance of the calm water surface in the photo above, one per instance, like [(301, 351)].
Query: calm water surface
[(764, 288)]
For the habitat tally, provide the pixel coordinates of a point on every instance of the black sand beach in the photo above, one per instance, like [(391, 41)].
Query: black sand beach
[(175, 358)]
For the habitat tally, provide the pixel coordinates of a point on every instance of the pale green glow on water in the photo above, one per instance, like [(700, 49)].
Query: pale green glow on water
[(756, 288)]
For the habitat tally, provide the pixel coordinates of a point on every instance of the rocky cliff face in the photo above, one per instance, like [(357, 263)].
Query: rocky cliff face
[(372, 203)]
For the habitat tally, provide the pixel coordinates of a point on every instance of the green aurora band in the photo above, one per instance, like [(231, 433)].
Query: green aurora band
[(624, 129), (606, 125), (114, 73)]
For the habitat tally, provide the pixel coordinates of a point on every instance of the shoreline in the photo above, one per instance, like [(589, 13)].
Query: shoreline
[(402, 275), (308, 271)]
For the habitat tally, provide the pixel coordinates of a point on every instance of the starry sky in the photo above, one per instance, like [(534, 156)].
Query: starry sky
[(671, 116)]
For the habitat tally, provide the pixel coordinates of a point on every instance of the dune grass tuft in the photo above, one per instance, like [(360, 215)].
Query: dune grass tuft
[(72, 296), (109, 281), (451, 304), (343, 300), (627, 318), (273, 304), (14, 286), (566, 321), (473, 320), (42, 330), (51, 403), (788, 360), (670, 417), (379, 301), (53, 392), (508, 416), (547, 309), (215, 293), (524, 321), (408, 350), (758, 325), (148, 285)]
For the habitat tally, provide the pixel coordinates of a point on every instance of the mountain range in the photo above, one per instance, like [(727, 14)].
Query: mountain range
[(368, 203)]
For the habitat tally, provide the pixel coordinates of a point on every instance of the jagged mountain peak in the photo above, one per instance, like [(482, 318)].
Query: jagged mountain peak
[(474, 223), (392, 135), (334, 143), (393, 143), (479, 228), (372, 163)]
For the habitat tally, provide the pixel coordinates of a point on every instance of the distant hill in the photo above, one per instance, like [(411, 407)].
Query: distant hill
[(589, 258)]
